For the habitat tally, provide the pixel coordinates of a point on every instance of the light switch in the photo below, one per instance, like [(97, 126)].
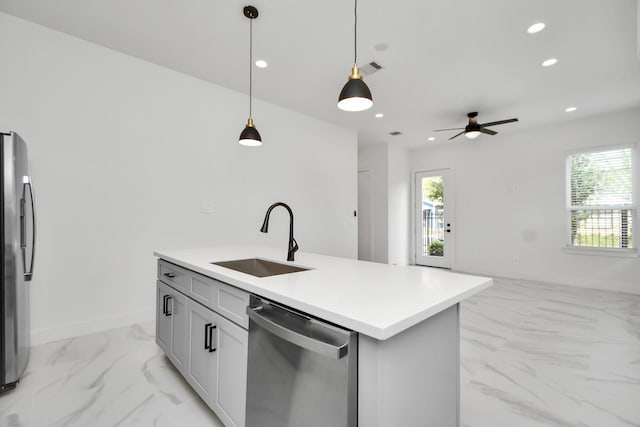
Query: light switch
[(206, 207)]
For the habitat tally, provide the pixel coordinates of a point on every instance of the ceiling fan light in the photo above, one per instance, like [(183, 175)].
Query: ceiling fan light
[(355, 96), (472, 134), (250, 136)]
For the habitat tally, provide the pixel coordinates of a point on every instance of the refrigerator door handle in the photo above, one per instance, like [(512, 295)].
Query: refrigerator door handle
[(26, 181)]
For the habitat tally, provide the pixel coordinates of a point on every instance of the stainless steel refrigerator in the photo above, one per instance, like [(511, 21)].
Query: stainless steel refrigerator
[(17, 218)]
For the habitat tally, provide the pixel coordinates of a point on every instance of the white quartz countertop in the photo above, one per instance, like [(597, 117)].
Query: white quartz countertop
[(378, 300)]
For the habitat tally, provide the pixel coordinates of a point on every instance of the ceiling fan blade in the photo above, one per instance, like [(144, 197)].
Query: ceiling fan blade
[(499, 122), (488, 131), (455, 136), (442, 130)]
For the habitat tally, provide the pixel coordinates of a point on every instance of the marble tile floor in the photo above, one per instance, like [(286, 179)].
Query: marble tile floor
[(535, 354), (532, 354)]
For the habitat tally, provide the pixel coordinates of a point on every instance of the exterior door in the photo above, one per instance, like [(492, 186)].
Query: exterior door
[(434, 226)]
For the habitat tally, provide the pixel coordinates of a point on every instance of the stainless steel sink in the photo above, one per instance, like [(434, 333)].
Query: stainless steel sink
[(259, 267)]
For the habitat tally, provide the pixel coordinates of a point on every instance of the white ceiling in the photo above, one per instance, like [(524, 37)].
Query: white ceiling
[(444, 58)]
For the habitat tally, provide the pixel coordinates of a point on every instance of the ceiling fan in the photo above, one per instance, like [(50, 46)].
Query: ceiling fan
[(474, 129)]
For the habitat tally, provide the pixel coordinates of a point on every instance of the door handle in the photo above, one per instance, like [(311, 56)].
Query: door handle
[(28, 274), (23, 227), (208, 337), (165, 305)]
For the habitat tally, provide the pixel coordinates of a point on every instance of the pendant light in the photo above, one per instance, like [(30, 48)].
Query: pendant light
[(355, 95), (250, 135)]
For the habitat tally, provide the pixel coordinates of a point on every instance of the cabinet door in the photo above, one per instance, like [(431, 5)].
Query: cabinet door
[(178, 314), (230, 399), (203, 355), (163, 319)]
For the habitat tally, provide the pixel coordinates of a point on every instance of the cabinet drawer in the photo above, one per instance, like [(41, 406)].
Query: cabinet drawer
[(227, 300), (232, 303), (174, 275), (204, 289)]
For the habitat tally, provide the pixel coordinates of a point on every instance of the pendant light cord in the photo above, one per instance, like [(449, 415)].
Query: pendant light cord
[(355, 33), (250, 62)]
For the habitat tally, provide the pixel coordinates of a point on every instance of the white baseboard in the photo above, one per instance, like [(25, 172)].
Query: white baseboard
[(70, 330)]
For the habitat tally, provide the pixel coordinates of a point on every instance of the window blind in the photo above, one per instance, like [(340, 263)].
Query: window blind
[(601, 209)]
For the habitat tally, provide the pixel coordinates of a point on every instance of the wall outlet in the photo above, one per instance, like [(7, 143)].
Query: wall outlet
[(206, 207)]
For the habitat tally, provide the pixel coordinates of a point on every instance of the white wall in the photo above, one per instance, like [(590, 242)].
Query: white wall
[(399, 190), (510, 202), (638, 25), (123, 153), (391, 189), (375, 160)]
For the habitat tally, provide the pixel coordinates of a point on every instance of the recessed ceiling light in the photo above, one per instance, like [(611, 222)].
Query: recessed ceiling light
[(431, 138), (549, 62), (260, 63), (379, 115), (570, 109), (536, 28)]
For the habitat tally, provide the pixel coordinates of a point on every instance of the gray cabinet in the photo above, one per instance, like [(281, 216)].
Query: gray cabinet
[(200, 325), (163, 319), (230, 401), (220, 297), (178, 352), (171, 324), (203, 356)]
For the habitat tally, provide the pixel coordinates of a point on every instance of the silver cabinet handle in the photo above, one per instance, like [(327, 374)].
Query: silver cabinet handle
[(336, 352)]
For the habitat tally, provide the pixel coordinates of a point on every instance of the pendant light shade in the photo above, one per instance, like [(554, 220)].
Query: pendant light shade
[(355, 95), (250, 136)]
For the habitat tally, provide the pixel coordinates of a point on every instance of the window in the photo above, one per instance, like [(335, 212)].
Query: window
[(600, 197)]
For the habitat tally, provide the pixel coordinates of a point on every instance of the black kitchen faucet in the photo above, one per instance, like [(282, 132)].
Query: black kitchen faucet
[(293, 245)]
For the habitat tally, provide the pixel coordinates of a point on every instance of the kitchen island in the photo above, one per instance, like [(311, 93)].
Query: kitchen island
[(406, 318)]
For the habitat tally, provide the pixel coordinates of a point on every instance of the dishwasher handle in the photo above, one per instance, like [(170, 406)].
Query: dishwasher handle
[(261, 318)]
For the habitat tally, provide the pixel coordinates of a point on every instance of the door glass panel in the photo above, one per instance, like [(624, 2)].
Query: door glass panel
[(433, 216)]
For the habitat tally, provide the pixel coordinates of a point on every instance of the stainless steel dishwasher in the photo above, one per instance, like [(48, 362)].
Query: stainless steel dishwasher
[(301, 371)]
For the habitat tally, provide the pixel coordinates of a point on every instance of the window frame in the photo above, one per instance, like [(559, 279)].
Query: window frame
[(594, 250)]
